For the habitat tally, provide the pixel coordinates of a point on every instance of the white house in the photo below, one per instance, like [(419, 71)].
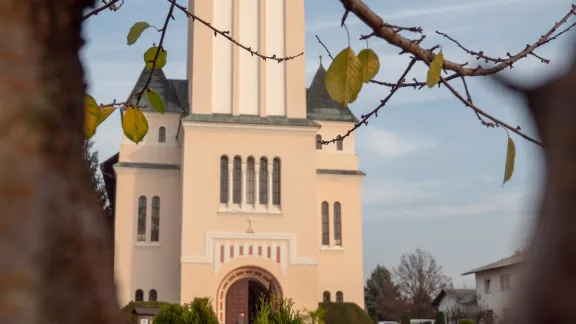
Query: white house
[(495, 283), (448, 300)]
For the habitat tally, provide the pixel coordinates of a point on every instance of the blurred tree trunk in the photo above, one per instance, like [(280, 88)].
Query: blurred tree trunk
[(55, 252)]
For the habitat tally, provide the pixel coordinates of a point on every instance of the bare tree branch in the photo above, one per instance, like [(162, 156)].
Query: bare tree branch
[(107, 4)]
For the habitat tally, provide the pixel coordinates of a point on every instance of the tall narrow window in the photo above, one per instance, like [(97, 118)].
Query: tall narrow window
[(318, 144), (237, 181), (162, 134), (339, 297), (337, 224), (155, 230), (139, 296), (141, 237), (339, 144), (325, 224), (263, 181), (326, 297), (276, 182), (153, 295), (224, 180), (250, 178)]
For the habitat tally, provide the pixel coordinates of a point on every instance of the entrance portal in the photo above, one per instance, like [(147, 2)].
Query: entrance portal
[(244, 297)]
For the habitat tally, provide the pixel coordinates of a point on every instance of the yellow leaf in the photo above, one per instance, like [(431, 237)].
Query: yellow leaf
[(370, 64), (135, 125), (106, 111), (510, 156), (135, 31), (149, 58), (435, 70), (92, 116), (344, 77), (155, 100)]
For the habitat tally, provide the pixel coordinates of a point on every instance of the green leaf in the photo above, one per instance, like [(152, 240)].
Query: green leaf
[(370, 64), (149, 57), (510, 157), (92, 116), (135, 125), (435, 70), (135, 31), (344, 77), (155, 100)]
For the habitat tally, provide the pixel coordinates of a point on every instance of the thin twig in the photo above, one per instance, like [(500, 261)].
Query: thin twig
[(160, 48), (326, 48), (364, 118), (226, 34), (99, 9)]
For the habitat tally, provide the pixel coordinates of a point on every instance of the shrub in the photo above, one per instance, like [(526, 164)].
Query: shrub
[(405, 318), (440, 318), (466, 321), (199, 311), (345, 313), (278, 310)]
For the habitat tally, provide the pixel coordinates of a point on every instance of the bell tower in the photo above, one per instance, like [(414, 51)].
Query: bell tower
[(226, 79)]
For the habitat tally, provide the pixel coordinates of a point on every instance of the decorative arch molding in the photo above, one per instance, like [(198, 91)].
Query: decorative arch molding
[(251, 272)]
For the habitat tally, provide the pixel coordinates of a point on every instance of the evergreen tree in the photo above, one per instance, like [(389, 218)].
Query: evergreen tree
[(440, 318), (91, 159), (380, 290)]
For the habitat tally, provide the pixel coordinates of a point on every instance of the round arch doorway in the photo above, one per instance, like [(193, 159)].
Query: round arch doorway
[(244, 296)]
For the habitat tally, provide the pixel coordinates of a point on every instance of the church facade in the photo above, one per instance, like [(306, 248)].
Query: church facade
[(229, 195)]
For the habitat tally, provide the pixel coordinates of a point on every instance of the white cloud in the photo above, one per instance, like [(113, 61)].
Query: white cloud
[(388, 145)]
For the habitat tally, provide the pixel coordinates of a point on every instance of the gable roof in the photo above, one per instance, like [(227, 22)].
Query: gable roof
[(502, 263), (319, 105), (174, 93), (462, 296)]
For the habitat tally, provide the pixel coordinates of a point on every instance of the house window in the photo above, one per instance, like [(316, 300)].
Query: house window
[(339, 297), (337, 224), (162, 134), (237, 181), (339, 144), (139, 296), (326, 297), (250, 178), (263, 182), (505, 282), (276, 182), (487, 288), (153, 295), (318, 144), (224, 179), (141, 237), (155, 233), (325, 224), (144, 321)]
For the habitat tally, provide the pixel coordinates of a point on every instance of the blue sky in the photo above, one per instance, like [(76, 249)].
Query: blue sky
[(434, 173)]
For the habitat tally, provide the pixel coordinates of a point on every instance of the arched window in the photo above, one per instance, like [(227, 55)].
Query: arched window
[(276, 182), (237, 181), (325, 224), (155, 231), (141, 237), (250, 180), (339, 297), (139, 296), (339, 144), (224, 179), (153, 295), (162, 134), (263, 181), (337, 224), (326, 297), (318, 144)]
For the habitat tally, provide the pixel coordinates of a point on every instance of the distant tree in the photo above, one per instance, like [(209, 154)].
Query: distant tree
[(91, 159), (419, 279), (440, 318), (405, 318), (382, 297)]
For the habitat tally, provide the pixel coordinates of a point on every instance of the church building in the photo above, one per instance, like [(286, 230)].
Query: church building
[(230, 195)]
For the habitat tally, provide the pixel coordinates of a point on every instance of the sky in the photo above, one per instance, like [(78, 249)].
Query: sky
[(434, 174)]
